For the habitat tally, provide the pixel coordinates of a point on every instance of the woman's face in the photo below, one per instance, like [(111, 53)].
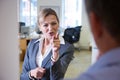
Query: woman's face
[(49, 26)]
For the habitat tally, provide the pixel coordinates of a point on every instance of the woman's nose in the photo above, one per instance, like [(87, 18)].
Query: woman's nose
[(50, 27)]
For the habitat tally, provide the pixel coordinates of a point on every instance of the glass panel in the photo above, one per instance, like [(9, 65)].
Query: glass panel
[(73, 9), (28, 16)]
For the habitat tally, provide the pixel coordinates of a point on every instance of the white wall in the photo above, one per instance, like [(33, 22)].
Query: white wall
[(85, 38), (95, 52), (9, 59)]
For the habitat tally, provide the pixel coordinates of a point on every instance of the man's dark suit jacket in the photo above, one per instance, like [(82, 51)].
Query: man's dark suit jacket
[(53, 72)]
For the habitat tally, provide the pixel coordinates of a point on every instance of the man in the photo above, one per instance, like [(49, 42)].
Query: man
[(104, 17)]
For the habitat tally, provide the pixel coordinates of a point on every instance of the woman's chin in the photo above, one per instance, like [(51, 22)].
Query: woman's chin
[(49, 37)]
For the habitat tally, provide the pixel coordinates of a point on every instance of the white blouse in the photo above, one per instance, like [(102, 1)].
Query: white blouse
[(40, 57)]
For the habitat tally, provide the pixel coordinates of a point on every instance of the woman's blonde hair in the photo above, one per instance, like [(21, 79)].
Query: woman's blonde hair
[(46, 12)]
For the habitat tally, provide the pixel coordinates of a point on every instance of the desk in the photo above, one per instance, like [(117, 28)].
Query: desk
[(23, 46)]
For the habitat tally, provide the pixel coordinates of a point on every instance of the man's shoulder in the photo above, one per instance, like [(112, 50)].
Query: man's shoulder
[(106, 72)]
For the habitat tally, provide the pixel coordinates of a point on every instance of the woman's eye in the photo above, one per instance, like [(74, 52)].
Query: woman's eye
[(54, 23), (45, 25)]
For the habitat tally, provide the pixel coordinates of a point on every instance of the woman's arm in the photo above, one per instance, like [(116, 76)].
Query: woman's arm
[(29, 72), (59, 68)]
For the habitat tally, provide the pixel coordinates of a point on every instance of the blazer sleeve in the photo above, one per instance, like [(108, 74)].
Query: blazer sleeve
[(26, 67), (59, 68)]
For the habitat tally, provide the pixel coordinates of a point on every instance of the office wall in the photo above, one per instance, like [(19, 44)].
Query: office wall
[(85, 39), (49, 2), (9, 59)]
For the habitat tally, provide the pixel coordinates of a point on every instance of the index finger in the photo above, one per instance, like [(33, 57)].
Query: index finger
[(57, 35)]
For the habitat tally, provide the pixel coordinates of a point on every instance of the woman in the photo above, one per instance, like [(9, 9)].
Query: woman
[(47, 58)]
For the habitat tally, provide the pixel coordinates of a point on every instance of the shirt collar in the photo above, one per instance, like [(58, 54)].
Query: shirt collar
[(109, 57), (62, 41)]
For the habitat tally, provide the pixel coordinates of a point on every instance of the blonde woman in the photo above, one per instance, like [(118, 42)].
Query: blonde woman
[(47, 58)]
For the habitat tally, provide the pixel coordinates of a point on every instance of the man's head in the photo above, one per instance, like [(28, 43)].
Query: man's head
[(104, 17), (108, 12)]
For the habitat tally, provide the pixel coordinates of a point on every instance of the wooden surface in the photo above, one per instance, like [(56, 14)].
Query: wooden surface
[(23, 46)]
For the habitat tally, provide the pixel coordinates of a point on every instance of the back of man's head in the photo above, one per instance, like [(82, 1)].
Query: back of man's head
[(109, 14)]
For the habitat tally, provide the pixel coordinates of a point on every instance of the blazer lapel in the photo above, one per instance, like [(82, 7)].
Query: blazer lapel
[(47, 59), (35, 51)]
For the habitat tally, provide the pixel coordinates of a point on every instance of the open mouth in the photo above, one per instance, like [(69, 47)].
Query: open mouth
[(51, 33)]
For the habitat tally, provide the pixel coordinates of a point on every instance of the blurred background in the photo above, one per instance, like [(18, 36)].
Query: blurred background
[(18, 23)]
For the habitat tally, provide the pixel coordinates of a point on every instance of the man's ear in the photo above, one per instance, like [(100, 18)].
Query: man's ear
[(96, 25)]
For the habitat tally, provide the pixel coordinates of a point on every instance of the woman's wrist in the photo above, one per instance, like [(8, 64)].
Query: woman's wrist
[(31, 77), (55, 59)]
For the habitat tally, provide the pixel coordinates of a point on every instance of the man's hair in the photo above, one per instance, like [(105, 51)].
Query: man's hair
[(108, 11)]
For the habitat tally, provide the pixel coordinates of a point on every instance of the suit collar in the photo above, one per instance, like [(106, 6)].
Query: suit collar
[(34, 52), (47, 60), (48, 57), (109, 58)]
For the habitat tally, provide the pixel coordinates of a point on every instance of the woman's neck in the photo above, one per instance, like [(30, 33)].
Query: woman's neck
[(45, 45), (46, 42)]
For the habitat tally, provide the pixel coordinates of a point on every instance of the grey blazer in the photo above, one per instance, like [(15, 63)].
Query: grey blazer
[(53, 72)]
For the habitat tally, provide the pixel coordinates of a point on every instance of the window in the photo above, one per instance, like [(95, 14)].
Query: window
[(28, 12), (72, 13)]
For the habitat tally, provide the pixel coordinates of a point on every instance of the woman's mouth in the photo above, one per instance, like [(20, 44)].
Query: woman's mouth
[(51, 33)]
